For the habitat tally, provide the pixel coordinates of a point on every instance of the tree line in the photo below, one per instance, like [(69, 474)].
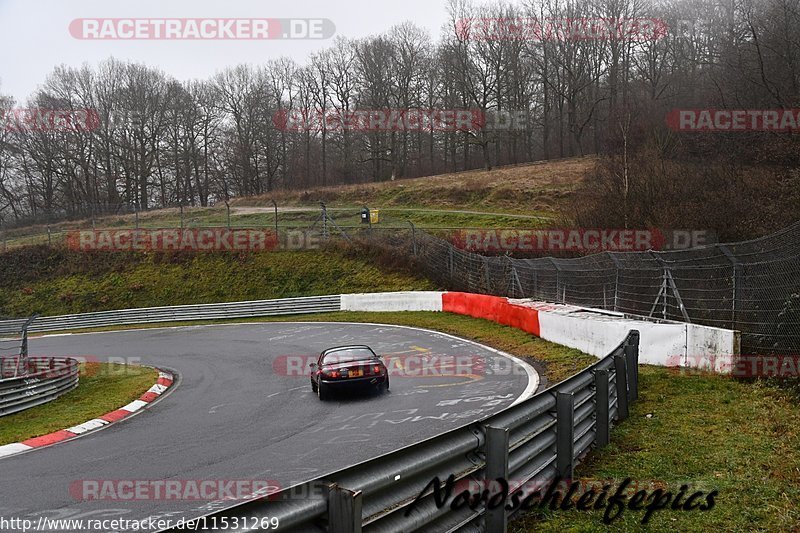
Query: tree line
[(160, 142)]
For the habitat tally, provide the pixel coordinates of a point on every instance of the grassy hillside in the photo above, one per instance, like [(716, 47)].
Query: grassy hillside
[(532, 188), (530, 195), (50, 282)]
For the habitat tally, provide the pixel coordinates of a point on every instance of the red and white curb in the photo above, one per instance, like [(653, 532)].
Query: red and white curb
[(165, 381)]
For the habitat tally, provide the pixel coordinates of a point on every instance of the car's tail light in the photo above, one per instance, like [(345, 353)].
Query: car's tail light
[(376, 369), (330, 373)]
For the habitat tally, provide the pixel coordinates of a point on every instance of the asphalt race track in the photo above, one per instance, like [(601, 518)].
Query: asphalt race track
[(234, 414)]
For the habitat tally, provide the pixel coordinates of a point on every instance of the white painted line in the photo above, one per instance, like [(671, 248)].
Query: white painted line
[(134, 406), (158, 389), (87, 426), (11, 449)]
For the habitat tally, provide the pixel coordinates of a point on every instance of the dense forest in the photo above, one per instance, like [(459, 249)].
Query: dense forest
[(158, 141)]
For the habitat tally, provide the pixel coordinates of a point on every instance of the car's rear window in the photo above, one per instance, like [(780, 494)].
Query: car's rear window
[(348, 356)]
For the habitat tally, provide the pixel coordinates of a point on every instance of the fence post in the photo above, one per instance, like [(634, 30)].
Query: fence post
[(631, 351), (601, 405), (344, 510), (275, 207), (413, 236), (228, 213), (450, 261), (616, 279), (558, 280), (496, 467), (324, 220), (734, 281), (622, 386), (49, 236), (136, 215), (517, 281), (486, 288), (565, 434)]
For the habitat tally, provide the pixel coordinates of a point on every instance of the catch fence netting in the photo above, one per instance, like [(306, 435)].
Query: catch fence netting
[(751, 286)]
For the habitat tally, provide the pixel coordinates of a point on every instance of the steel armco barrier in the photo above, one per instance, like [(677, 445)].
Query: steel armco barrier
[(534, 441), (48, 378), (180, 313), (20, 392)]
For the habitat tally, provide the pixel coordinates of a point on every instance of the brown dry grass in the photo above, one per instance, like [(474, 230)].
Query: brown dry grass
[(542, 186)]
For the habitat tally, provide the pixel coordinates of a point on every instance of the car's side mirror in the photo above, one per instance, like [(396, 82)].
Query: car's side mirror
[(312, 365)]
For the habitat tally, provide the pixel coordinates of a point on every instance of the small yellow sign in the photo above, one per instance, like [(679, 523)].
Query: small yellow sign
[(374, 217)]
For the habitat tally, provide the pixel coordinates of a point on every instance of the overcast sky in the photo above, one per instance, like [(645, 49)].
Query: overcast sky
[(35, 34)]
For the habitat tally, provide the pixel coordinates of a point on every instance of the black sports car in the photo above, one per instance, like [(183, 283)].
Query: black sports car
[(348, 367)]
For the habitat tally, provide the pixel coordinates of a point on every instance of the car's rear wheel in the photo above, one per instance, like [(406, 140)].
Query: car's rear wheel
[(322, 392)]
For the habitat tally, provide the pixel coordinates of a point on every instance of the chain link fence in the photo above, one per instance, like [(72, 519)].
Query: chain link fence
[(751, 286)]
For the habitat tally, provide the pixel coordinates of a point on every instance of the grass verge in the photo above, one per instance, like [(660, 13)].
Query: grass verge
[(54, 282), (710, 432), (103, 387)]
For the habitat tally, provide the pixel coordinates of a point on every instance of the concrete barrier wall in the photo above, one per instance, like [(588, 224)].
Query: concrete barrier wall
[(711, 348), (592, 331), (393, 301), (494, 308)]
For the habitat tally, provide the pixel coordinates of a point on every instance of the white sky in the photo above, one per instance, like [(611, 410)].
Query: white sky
[(35, 35)]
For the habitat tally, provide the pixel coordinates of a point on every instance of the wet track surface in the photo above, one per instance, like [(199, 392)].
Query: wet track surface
[(241, 410)]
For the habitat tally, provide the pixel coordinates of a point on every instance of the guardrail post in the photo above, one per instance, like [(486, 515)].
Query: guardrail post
[(344, 510), (631, 350), (602, 408), (622, 386), (565, 434), (496, 467)]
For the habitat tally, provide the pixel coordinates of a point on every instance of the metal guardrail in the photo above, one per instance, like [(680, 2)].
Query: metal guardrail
[(181, 313), (534, 441), (30, 381), (47, 379), (19, 329)]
